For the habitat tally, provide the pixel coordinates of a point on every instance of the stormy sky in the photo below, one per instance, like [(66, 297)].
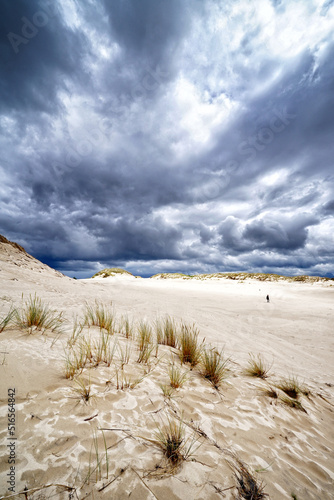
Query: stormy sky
[(169, 135)]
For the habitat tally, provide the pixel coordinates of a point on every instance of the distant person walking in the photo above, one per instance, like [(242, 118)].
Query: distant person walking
[(268, 300)]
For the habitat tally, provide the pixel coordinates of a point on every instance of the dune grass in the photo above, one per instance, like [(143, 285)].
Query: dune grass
[(290, 387), (86, 353), (292, 403), (99, 315), (34, 313), (170, 437), (96, 457), (76, 332), (124, 381), (248, 486), (145, 342), (124, 354), (257, 367), (6, 320), (167, 390), (83, 389), (214, 367), (269, 391), (126, 327), (166, 332), (102, 351), (189, 348), (176, 376)]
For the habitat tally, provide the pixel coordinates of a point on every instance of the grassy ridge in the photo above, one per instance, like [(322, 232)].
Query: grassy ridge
[(243, 276), (111, 271)]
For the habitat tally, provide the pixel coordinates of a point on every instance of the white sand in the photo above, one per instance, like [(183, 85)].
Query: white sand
[(294, 333)]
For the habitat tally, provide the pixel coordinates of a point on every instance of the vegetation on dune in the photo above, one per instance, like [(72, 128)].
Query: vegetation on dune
[(6, 320), (145, 342), (176, 376), (190, 349), (242, 276), (34, 313), (214, 367), (112, 345), (111, 271), (166, 331), (291, 387), (99, 315), (171, 438), (257, 367), (248, 486)]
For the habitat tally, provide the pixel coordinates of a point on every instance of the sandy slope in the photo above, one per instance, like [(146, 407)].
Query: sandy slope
[(294, 332)]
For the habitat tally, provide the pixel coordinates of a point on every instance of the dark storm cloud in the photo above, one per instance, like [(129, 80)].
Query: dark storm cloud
[(38, 53), (168, 135)]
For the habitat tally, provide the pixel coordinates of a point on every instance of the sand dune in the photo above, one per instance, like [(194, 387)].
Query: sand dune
[(291, 448)]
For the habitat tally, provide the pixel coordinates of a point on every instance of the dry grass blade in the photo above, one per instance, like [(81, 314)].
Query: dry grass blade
[(292, 403), (257, 367), (190, 349), (101, 472), (248, 486), (214, 366), (269, 391), (36, 314)]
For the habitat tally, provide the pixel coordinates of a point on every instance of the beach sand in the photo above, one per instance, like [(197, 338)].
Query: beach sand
[(289, 450)]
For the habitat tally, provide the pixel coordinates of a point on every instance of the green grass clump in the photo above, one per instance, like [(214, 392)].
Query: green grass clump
[(189, 347), (167, 390), (76, 332), (214, 366), (257, 367), (83, 389), (167, 332), (291, 387), (127, 327), (170, 437), (124, 381), (5, 320), (34, 313), (98, 315), (176, 376), (124, 355), (145, 342)]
